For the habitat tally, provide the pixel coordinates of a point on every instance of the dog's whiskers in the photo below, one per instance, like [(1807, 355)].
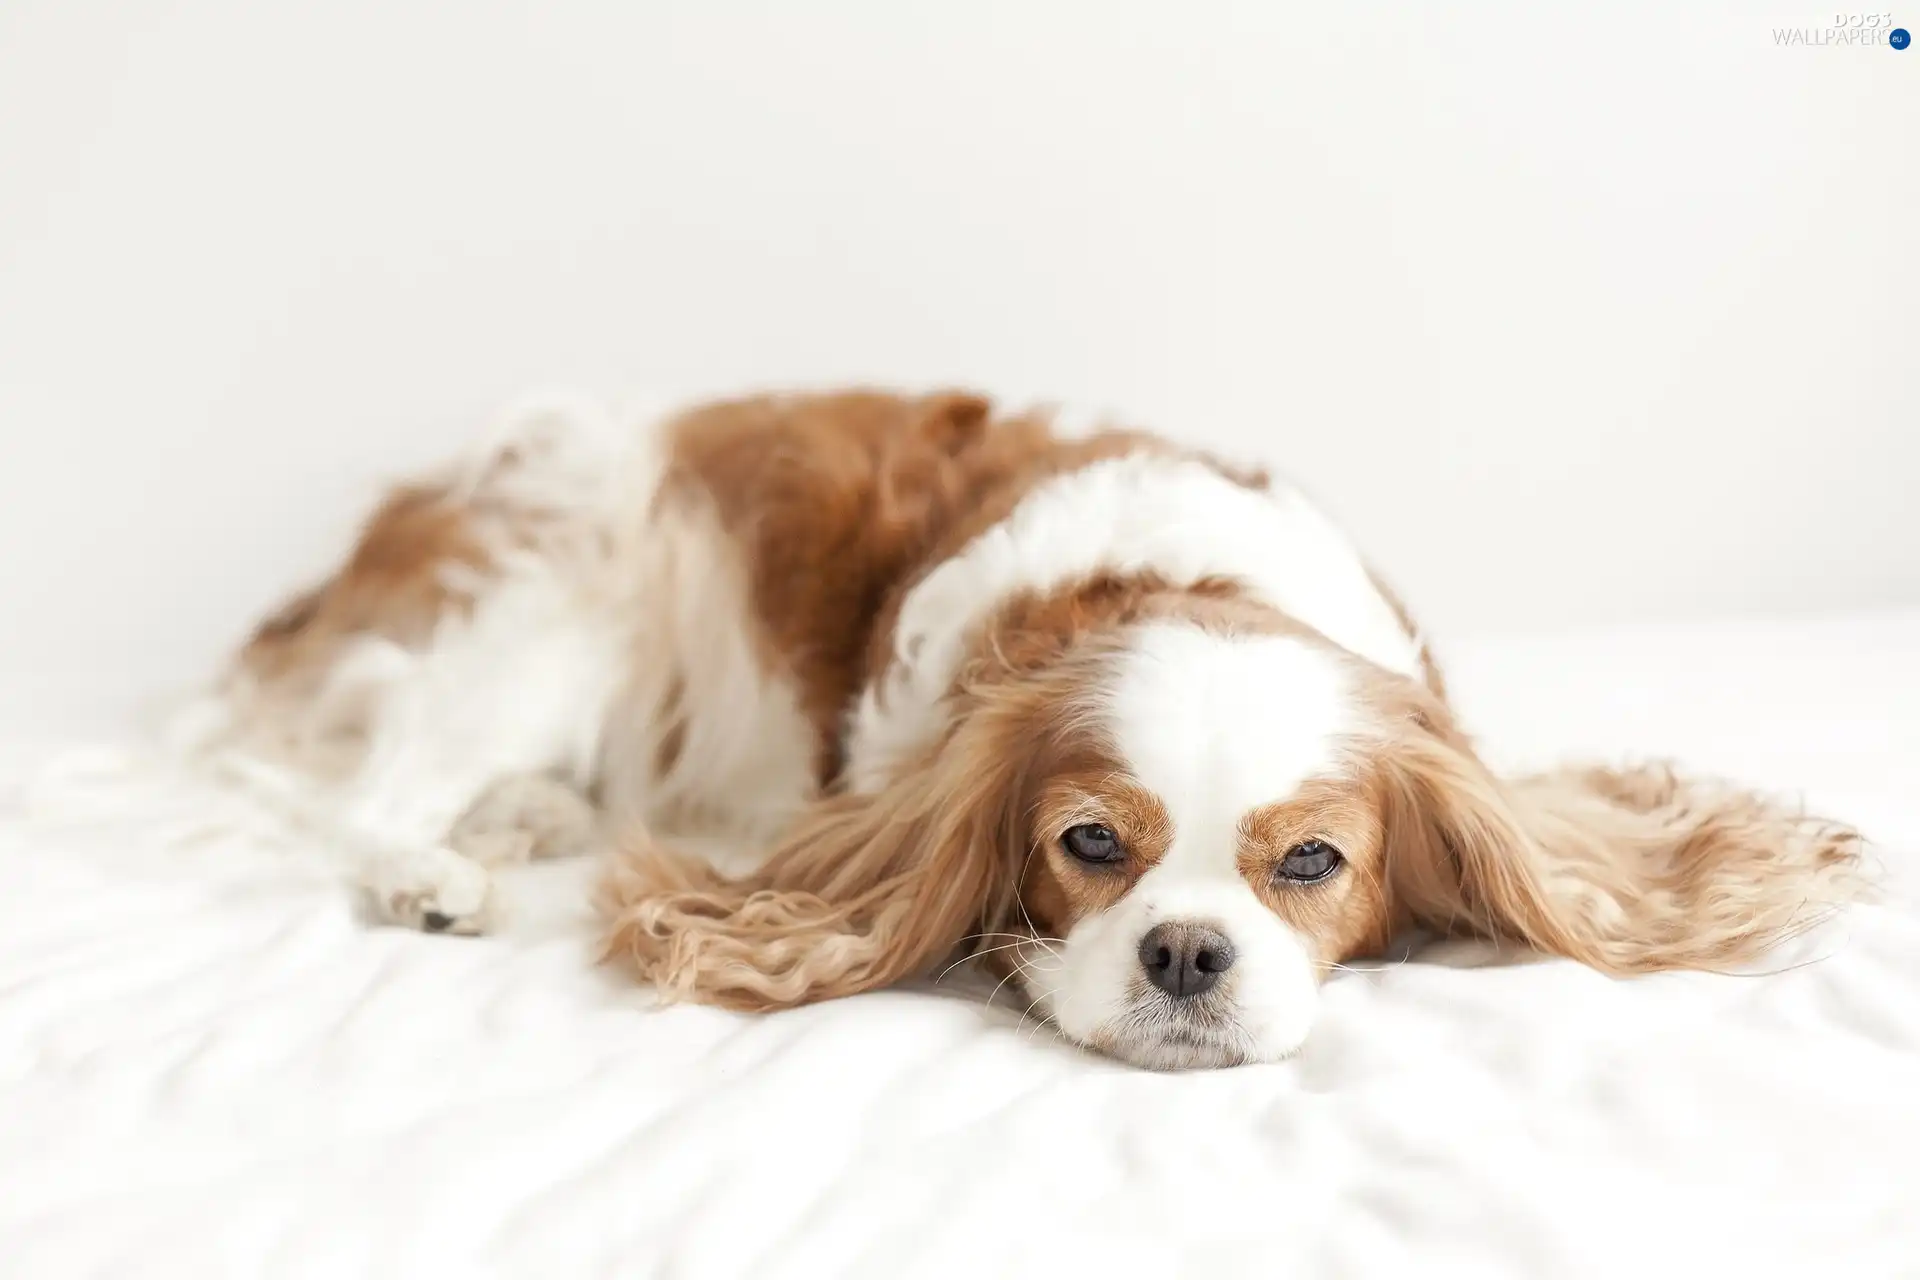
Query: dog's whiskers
[(1355, 968), (1040, 1022), (986, 951), (1003, 933), (1018, 968)]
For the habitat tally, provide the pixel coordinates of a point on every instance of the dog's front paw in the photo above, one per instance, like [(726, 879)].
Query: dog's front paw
[(435, 890)]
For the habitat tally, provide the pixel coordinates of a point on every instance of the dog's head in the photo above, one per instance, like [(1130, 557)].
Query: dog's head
[(1171, 831)]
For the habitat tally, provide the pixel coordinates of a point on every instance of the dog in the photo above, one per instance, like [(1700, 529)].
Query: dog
[(1135, 725)]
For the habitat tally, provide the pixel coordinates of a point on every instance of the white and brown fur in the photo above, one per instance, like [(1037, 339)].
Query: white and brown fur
[(891, 648)]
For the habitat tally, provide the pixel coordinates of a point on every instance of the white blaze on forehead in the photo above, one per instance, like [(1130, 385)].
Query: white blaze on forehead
[(1174, 516), (1216, 726)]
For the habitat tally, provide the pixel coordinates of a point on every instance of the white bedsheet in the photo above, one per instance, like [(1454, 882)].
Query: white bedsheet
[(209, 1067)]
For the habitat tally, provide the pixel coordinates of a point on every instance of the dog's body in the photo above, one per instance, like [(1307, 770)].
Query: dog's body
[(953, 676)]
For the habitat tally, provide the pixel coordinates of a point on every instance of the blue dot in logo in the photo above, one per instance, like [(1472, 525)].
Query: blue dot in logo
[(1899, 38)]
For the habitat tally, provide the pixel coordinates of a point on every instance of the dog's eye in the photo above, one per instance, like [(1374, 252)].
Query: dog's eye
[(1092, 842), (1310, 860)]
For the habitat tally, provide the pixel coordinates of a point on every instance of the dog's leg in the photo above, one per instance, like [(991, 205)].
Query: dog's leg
[(471, 739), (430, 872), (398, 818)]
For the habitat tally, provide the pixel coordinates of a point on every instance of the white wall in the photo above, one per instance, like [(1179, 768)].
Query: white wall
[(1576, 313)]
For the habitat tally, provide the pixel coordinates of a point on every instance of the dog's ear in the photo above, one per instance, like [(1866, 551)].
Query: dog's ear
[(862, 892), (1626, 870)]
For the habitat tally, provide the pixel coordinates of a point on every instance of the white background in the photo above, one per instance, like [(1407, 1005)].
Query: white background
[(1575, 314)]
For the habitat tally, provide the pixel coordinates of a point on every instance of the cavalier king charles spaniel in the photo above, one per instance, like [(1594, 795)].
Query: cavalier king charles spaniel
[(1137, 726)]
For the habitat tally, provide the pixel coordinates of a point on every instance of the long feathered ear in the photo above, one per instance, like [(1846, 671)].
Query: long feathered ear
[(862, 892), (1626, 870)]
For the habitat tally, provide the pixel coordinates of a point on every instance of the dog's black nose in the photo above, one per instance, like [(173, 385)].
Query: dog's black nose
[(1185, 959)]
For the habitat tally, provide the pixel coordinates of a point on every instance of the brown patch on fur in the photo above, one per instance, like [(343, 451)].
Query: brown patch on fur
[(840, 503), (1034, 628), (420, 558), (396, 583)]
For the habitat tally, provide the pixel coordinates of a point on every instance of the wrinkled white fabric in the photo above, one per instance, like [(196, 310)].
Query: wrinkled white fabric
[(209, 1066)]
